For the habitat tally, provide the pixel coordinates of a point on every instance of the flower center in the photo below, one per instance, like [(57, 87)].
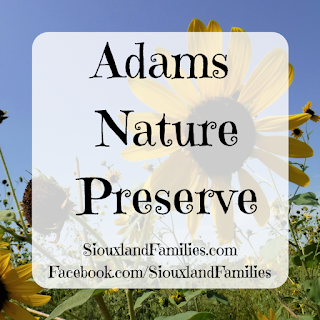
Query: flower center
[(311, 112), (227, 148), (3, 295), (114, 178)]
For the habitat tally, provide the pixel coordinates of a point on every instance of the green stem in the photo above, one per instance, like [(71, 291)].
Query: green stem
[(14, 234), (103, 308), (298, 247), (318, 310), (130, 304), (14, 195), (196, 304)]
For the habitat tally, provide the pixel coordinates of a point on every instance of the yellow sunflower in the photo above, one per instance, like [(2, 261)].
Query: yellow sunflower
[(193, 168), (113, 176), (14, 285), (297, 133), (306, 109), (272, 315), (148, 166), (111, 290)]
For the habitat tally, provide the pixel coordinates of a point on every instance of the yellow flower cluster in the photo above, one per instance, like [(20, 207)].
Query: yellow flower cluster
[(15, 285)]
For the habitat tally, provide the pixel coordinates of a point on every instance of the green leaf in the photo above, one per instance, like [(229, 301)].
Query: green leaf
[(6, 215), (309, 133), (97, 291), (308, 318), (219, 297), (308, 199), (144, 297), (131, 227), (289, 299), (279, 312), (191, 294), (271, 249), (199, 243), (312, 289), (180, 316), (202, 316), (78, 299), (311, 259), (298, 223), (171, 300), (306, 255)]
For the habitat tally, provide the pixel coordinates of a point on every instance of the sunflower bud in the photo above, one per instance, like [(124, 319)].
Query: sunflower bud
[(50, 215), (2, 115)]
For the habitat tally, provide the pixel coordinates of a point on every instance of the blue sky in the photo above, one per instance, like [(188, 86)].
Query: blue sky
[(22, 21)]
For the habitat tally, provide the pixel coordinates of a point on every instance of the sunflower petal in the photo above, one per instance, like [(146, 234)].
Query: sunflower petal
[(158, 97), (18, 274), (15, 312), (151, 117), (123, 230), (175, 173), (272, 315), (280, 167), (193, 219), (184, 88), (267, 82), (34, 300), (207, 44), (298, 177), (3, 244), (297, 120), (4, 263), (224, 222), (239, 56), (291, 74), (276, 145), (213, 26), (315, 118), (261, 316), (262, 214), (23, 288), (197, 26), (299, 149), (4, 252), (137, 153), (281, 123), (273, 144), (120, 222)]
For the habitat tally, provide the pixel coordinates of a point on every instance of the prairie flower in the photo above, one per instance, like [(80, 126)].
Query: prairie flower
[(272, 315), (307, 216), (297, 133), (306, 109), (113, 176), (178, 298), (2, 115), (148, 166), (194, 168), (14, 285), (111, 290)]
